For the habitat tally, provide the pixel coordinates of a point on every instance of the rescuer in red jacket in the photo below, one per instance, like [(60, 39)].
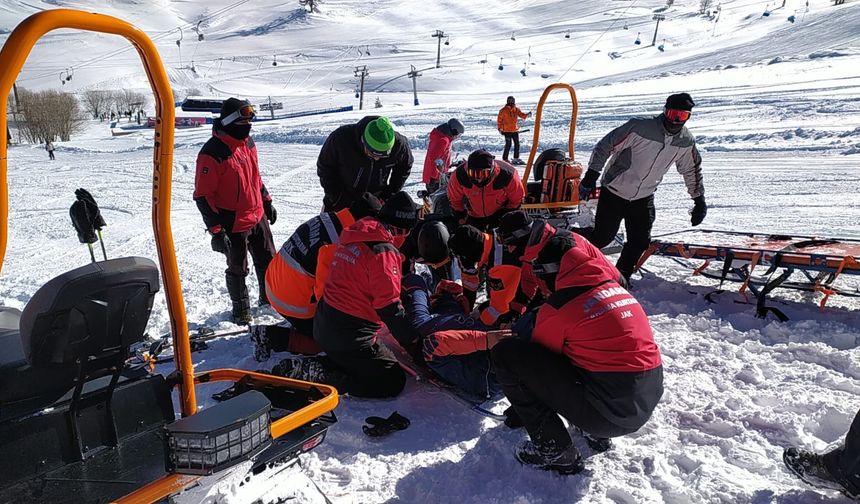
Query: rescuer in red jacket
[(483, 189), (592, 358), (362, 292), (296, 277), (236, 207), (438, 157)]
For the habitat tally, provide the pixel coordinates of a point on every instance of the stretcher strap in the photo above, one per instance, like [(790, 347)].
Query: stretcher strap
[(753, 262), (761, 309), (825, 289), (727, 266), (702, 268)]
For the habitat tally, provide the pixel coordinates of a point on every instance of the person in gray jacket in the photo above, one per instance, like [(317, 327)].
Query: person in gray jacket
[(638, 154)]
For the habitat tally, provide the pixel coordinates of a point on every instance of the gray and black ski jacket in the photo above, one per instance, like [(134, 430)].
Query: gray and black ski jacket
[(640, 152)]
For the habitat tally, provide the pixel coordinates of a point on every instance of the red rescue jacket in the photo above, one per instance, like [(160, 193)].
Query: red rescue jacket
[(228, 182), (503, 190), (296, 276), (365, 272), (606, 335), (438, 147)]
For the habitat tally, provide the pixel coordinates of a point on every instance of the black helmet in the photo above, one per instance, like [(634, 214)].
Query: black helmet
[(548, 261), (456, 127), (511, 100), (433, 242), (514, 228)]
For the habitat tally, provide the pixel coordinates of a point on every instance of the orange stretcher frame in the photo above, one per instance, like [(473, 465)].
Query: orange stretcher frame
[(12, 58), (828, 257), (573, 203)]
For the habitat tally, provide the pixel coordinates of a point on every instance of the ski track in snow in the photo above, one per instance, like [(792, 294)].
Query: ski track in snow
[(778, 130)]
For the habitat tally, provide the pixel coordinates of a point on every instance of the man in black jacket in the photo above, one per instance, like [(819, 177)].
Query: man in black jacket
[(368, 156)]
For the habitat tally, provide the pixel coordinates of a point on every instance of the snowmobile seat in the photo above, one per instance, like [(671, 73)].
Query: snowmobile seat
[(76, 328)]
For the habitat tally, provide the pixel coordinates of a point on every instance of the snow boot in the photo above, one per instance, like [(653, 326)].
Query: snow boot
[(810, 468), (598, 444), (518, 161), (547, 457), (300, 368), (241, 314), (262, 350)]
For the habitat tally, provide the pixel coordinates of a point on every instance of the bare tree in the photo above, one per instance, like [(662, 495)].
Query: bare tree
[(97, 102), (704, 5), (128, 101), (49, 115)]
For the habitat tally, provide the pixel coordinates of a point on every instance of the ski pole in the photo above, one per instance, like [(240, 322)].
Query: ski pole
[(102, 242), (92, 254)]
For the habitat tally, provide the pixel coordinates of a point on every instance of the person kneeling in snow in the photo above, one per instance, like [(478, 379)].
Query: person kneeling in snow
[(592, 358), (838, 469), (362, 292), (295, 279), (454, 345)]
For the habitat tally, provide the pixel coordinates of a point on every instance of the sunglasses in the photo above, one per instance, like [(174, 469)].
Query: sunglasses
[(678, 116), (244, 115), (374, 154)]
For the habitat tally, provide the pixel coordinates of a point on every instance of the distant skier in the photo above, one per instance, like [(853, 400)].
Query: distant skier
[(838, 469), (591, 358), (295, 279), (49, 146), (508, 125), (438, 158), (639, 153), (368, 156), (235, 204), (484, 189), (362, 292)]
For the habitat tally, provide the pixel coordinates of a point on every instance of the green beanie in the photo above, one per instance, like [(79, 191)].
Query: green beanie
[(379, 135)]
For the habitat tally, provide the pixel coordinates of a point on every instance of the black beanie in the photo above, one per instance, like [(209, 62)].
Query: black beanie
[(555, 248), (680, 101), (231, 105), (367, 205), (468, 243), (514, 226), (399, 211), (480, 160), (433, 242)]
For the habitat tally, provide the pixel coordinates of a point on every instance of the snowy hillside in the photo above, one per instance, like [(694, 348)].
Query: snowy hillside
[(778, 123)]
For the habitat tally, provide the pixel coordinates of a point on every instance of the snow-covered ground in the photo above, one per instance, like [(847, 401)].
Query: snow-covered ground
[(778, 123)]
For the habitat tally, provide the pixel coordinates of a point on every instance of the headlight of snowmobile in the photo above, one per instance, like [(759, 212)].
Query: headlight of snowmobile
[(219, 436)]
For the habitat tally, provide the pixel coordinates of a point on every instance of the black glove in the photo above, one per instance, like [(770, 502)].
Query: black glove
[(271, 213), (700, 210), (589, 182), (221, 242), (92, 207)]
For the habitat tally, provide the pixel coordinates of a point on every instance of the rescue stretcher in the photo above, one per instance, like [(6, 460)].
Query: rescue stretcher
[(804, 263)]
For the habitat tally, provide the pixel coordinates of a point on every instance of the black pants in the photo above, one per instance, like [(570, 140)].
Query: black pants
[(371, 372), (258, 241), (638, 216), (541, 385), (50, 154), (844, 461), (515, 137), (298, 339)]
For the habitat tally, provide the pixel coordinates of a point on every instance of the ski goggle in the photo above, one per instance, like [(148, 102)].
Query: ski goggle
[(678, 116), (509, 239), (372, 153), (479, 175), (244, 115), (437, 265)]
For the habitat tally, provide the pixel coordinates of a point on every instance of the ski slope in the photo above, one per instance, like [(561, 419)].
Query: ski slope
[(777, 121)]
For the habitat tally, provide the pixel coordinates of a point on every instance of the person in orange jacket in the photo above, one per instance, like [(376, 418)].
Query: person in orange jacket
[(484, 189), (297, 274), (508, 124)]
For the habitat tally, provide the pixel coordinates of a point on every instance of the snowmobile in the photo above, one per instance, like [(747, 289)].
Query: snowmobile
[(77, 424)]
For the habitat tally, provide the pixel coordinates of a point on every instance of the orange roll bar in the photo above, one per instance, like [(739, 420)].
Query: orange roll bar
[(539, 114)]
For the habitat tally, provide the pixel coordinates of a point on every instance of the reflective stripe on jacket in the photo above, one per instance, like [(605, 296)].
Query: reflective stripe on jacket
[(296, 275)]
